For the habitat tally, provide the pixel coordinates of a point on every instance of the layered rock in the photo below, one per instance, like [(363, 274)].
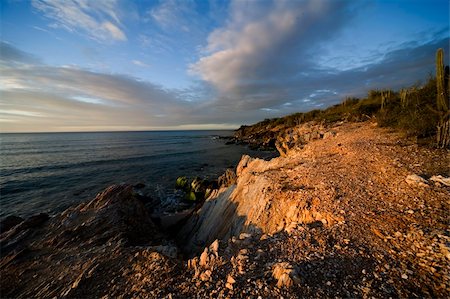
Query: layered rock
[(77, 252), (295, 138), (257, 204)]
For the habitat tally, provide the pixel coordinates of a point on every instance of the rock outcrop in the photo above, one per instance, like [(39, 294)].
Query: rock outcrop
[(257, 204), (74, 254), (340, 217), (295, 138), (282, 137)]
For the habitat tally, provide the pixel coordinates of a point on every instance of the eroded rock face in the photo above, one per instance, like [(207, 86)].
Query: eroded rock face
[(295, 138), (227, 179), (115, 213), (76, 252), (257, 204)]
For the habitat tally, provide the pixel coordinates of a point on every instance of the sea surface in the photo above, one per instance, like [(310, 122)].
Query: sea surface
[(48, 172)]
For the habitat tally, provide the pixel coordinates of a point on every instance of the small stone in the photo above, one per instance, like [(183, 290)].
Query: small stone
[(414, 179), (328, 283), (204, 258), (192, 263), (243, 251), (285, 274), (243, 236), (205, 276), (230, 279), (404, 276), (440, 179), (363, 271), (214, 247)]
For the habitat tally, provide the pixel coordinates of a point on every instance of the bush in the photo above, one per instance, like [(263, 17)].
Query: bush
[(413, 111)]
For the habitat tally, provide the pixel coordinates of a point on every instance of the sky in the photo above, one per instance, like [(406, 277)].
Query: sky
[(113, 65)]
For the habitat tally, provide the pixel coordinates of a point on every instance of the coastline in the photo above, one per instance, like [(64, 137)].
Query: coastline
[(346, 198), (43, 173)]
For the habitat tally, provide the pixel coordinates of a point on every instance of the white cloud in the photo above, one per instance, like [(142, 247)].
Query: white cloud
[(114, 31), (259, 41), (99, 20), (140, 63)]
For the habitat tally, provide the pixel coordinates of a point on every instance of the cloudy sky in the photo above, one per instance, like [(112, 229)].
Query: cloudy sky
[(94, 65)]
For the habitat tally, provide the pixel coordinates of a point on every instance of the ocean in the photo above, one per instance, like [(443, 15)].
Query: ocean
[(48, 172)]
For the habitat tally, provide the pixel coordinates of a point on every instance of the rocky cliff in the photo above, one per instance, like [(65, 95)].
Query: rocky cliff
[(346, 211), (345, 194)]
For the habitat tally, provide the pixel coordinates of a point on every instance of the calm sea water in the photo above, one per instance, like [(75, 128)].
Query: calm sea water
[(47, 172)]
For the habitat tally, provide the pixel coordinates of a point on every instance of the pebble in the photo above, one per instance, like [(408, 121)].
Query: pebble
[(230, 279), (404, 276), (263, 237)]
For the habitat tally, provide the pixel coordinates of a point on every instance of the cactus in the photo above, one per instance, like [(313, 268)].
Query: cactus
[(404, 97), (385, 95), (442, 89)]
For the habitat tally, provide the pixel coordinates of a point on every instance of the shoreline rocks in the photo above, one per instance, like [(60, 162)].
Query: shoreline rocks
[(335, 219)]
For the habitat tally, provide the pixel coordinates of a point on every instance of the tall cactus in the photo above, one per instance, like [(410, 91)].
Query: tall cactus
[(385, 95), (442, 92), (404, 97), (442, 88)]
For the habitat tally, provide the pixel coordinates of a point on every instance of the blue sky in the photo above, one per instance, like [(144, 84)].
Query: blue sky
[(85, 65)]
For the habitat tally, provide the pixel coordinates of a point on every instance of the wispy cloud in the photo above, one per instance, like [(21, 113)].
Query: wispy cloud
[(38, 95), (178, 26), (140, 63), (99, 20), (174, 14)]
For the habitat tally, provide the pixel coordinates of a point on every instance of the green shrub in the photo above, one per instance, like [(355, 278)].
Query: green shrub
[(195, 190)]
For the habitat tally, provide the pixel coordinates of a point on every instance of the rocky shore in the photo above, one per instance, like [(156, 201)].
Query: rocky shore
[(347, 210)]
